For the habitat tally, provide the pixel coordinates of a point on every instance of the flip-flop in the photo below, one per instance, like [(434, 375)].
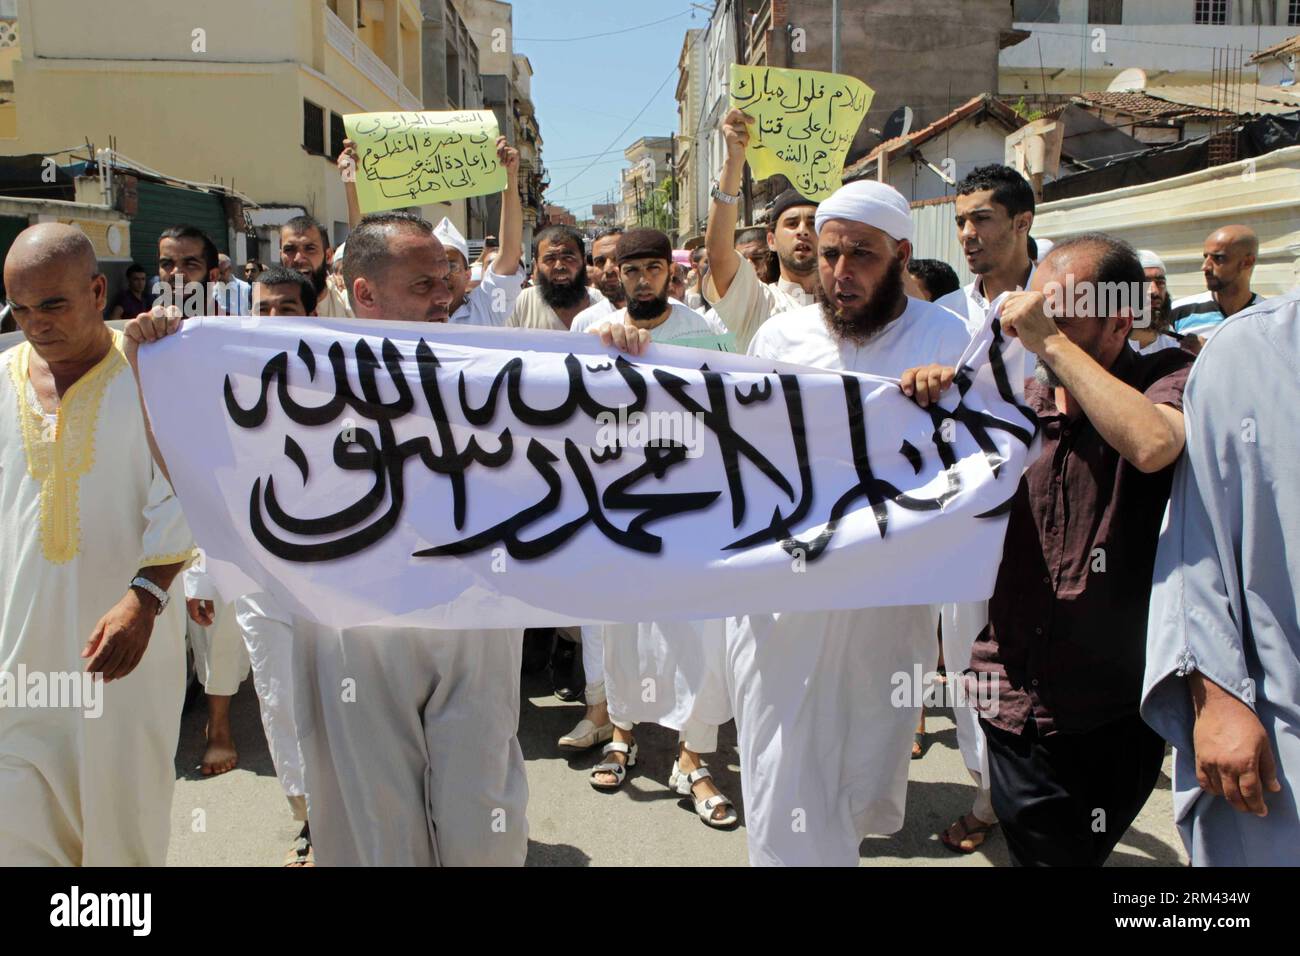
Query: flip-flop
[(981, 830), (918, 740)]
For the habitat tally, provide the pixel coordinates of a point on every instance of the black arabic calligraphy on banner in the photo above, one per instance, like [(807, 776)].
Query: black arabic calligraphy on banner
[(375, 449)]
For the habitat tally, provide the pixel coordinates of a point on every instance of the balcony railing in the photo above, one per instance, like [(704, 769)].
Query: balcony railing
[(355, 51)]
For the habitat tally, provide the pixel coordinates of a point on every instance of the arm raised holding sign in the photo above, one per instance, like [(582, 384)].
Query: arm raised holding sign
[(512, 213), (719, 235), (347, 164), (742, 299)]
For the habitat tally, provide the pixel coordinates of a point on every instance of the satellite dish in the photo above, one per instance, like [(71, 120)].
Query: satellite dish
[(898, 124), (1134, 78)]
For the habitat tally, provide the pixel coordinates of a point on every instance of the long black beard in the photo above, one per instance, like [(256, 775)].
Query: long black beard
[(318, 278), (637, 309), (860, 325), (562, 295)]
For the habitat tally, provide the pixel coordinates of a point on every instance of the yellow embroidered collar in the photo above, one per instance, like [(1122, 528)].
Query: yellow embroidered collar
[(59, 453)]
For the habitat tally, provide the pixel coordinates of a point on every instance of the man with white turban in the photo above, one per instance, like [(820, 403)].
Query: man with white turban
[(1153, 335), (824, 754)]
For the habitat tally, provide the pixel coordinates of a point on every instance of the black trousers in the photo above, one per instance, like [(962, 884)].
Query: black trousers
[(1067, 799)]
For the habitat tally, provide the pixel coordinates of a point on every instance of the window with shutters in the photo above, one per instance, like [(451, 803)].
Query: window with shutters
[(1105, 11), (313, 128), (337, 134), (1293, 13)]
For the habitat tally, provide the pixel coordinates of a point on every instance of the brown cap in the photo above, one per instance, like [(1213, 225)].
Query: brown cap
[(643, 244)]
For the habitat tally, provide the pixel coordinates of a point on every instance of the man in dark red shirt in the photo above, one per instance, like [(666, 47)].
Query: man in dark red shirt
[(1071, 763)]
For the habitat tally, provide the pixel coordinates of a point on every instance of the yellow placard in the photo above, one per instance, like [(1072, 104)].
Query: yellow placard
[(804, 123), (409, 159)]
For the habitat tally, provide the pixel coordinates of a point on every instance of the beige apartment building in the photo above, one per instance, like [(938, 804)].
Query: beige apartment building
[(639, 206), (247, 93)]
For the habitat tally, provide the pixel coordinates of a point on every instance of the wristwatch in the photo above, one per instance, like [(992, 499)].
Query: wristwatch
[(161, 596), (717, 193)]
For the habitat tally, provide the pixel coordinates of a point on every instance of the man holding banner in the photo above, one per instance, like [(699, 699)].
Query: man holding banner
[(682, 663), (823, 746), (407, 735)]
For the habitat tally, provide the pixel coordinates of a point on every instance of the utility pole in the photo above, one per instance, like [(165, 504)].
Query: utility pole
[(742, 58), (835, 36), (1083, 50)]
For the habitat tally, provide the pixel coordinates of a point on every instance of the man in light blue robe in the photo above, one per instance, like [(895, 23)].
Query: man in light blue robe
[(1223, 657)]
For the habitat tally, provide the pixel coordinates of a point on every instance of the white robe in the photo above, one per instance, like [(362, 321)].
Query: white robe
[(409, 745), (750, 302), (268, 636), (671, 673), (532, 312), (220, 656), (824, 751), (668, 673), (81, 509), (962, 623)]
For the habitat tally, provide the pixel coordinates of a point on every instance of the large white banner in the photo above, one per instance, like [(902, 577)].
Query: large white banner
[(418, 474)]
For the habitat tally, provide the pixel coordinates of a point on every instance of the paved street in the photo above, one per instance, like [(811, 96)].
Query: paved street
[(241, 818)]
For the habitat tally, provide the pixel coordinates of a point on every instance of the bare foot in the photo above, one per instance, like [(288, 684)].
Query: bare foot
[(220, 756)]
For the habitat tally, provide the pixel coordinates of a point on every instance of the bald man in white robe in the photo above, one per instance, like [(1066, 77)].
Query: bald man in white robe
[(91, 541)]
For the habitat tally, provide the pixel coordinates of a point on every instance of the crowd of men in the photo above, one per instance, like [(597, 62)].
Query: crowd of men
[(1146, 592)]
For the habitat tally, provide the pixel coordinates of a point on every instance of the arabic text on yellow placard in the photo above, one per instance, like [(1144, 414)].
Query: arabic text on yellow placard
[(804, 123), (409, 159)]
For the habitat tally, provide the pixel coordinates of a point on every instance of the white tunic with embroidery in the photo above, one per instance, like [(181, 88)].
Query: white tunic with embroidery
[(82, 507)]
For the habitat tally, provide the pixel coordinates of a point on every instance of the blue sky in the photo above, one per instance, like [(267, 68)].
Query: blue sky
[(587, 90)]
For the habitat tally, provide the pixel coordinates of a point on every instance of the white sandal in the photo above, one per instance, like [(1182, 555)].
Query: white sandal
[(619, 770), (704, 808)]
